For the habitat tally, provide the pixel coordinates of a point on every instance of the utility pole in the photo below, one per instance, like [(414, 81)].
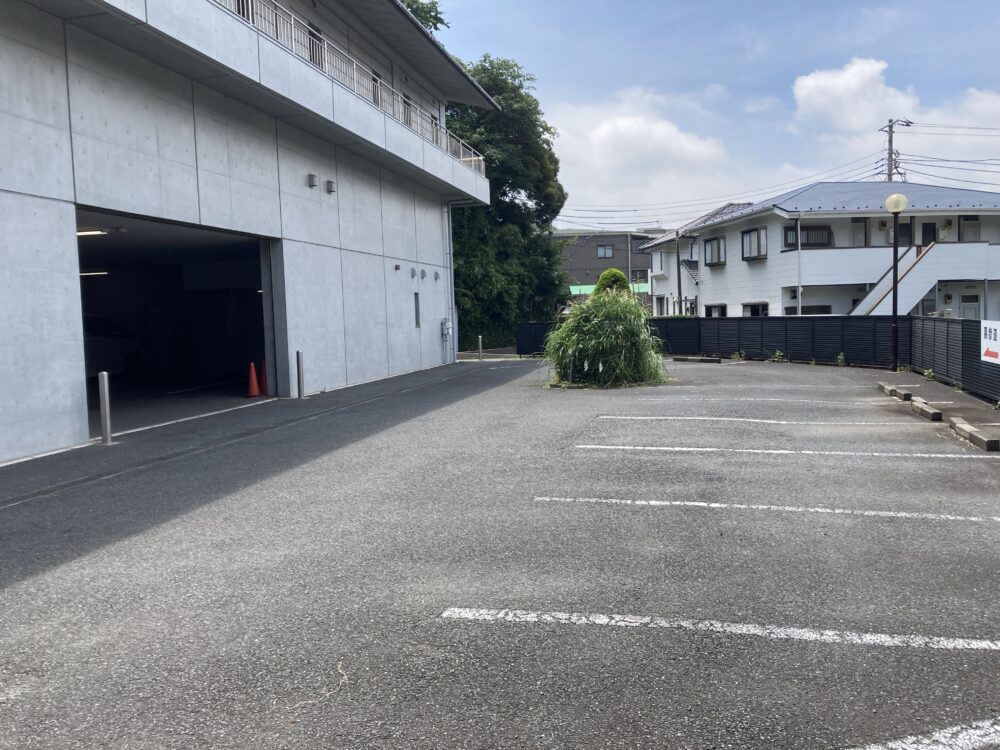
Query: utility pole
[(892, 156)]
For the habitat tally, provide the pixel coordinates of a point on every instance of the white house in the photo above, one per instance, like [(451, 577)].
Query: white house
[(190, 186), (826, 249)]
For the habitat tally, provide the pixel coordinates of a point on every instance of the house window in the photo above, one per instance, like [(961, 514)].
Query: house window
[(715, 251), (605, 251), (755, 243), (638, 275), (811, 237), (715, 311), (860, 232), (755, 310), (968, 229)]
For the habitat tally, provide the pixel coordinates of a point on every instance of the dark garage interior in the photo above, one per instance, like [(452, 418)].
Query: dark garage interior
[(173, 313)]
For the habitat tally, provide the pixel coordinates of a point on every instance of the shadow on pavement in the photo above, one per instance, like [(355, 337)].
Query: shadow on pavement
[(58, 508)]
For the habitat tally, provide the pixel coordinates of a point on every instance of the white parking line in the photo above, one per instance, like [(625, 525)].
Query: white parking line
[(873, 401), (774, 508), (758, 421), (779, 451), (968, 737), (771, 632)]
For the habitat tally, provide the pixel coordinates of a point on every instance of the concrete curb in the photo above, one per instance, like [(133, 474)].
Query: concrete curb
[(958, 425), (978, 438), (703, 360), (891, 390), (925, 410)]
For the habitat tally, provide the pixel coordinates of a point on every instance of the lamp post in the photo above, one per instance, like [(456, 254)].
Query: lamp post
[(895, 204)]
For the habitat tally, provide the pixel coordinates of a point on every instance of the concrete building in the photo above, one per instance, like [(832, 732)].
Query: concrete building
[(826, 249), (586, 254), (187, 186)]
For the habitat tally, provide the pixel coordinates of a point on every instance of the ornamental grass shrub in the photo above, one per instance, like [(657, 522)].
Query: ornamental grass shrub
[(606, 342)]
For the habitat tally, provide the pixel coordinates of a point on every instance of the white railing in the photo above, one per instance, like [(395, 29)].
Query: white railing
[(292, 32)]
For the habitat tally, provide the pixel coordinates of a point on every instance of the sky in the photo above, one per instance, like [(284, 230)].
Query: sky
[(667, 109)]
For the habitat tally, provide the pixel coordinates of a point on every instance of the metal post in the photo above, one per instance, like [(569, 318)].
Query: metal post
[(677, 246), (895, 291), (104, 391), (301, 372), (480, 348)]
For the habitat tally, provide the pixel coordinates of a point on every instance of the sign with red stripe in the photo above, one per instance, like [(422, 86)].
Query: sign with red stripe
[(990, 349)]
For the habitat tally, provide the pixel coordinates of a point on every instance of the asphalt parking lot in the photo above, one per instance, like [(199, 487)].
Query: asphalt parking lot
[(755, 556)]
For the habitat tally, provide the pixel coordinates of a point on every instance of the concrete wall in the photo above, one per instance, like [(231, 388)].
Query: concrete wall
[(84, 121)]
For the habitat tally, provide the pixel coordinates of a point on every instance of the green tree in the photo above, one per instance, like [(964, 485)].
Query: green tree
[(507, 265), (612, 278), (427, 12)]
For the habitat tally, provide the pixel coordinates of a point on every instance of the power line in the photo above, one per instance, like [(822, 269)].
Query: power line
[(953, 127), (939, 165), (701, 201), (953, 179)]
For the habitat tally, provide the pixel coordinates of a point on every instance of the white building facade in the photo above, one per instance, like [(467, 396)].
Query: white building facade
[(827, 250), (222, 182)]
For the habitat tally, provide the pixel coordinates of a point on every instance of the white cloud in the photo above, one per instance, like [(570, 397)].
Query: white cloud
[(630, 150), (855, 97)]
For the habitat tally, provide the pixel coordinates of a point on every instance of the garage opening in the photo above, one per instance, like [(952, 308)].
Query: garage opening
[(175, 314)]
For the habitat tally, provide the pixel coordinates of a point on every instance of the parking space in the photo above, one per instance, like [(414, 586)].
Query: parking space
[(754, 556)]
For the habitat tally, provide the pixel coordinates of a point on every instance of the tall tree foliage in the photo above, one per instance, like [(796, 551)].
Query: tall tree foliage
[(428, 12), (507, 265)]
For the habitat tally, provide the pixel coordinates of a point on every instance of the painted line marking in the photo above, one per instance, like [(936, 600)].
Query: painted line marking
[(874, 401), (775, 508), (759, 421), (806, 385), (771, 632), (777, 451), (196, 416), (969, 737)]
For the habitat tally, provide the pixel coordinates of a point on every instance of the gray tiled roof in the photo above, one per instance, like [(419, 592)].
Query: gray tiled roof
[(855, 197)]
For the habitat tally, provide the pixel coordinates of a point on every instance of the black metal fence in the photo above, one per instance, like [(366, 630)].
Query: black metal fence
[(950, 347)]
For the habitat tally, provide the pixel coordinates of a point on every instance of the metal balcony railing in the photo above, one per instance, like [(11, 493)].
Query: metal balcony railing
[(293, 33)]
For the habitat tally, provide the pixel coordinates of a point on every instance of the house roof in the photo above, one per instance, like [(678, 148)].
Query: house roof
[(602, 233), (861, 197), (404, 33), (715, 215)]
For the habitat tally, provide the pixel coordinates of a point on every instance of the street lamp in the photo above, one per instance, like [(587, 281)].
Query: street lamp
[(895, 204)]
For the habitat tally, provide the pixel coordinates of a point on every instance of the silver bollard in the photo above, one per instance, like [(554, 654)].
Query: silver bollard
[(301, 370), (480, 348), (104, 391)]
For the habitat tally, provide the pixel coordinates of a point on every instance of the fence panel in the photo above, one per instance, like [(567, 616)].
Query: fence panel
[(828, 339), (799, 338), (774, 335), (982, 378), (729, 336)]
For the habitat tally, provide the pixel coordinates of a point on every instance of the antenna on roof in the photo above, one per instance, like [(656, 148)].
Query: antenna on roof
[(892, 156)]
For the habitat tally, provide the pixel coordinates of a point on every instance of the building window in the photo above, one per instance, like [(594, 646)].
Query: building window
[(605, 251), (638, 275), (810, 310), (755, 310), (968, 229), (755, 243), (416, 308), (860, 232), (715, 311), (811, 237), (715, 251)]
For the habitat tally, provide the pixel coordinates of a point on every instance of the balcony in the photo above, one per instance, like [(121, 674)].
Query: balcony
[(294, 34)]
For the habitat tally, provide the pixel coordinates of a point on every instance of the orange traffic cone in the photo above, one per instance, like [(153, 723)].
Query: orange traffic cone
[(253, 387), (263, 378)]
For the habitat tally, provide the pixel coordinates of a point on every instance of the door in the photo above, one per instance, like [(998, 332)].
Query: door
[(969, 306), (928, 233)]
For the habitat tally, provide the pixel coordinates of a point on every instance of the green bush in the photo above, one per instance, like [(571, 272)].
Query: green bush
[(606, 342), (611, 278)]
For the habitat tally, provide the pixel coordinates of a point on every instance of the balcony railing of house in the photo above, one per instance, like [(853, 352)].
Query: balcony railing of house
[(293, 33)]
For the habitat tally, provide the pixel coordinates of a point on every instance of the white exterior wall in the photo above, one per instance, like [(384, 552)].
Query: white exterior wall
[(834, 276), (85, 122)]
